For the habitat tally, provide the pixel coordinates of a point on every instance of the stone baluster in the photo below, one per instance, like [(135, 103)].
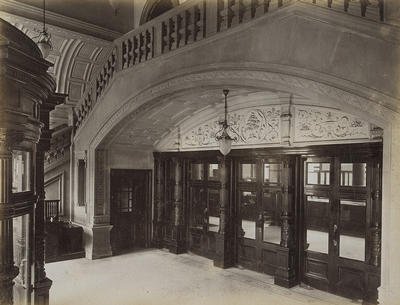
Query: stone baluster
[(7, 269)]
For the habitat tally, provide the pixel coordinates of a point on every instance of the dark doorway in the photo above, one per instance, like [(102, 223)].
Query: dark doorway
[(130, 209)]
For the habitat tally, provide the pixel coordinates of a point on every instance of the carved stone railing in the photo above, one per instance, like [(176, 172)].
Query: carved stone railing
[(370, 9), (96, 87), (192, 21), (59, 143)]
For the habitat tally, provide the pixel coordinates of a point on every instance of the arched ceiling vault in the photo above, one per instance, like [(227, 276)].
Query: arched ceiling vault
[(164, 124), (76, 58)]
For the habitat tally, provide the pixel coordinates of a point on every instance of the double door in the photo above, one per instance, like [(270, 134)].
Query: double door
[(130, 209), (338, 212), (260, 202)]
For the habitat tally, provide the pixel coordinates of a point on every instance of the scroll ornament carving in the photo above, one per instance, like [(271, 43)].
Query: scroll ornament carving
[(318, 124), (255, 126)]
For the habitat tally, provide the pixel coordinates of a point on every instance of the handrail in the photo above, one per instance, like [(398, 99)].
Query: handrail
[(192, 21)]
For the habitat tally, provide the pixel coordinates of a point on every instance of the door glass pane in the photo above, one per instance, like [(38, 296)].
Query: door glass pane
[(248, 211), (353, 174), (213, 210), (317, 223), (272, 173), (213, 171), (352, 229), (318, 173), (197, 171), (248, 172), (272, 207), (21, 171), (198, 208)]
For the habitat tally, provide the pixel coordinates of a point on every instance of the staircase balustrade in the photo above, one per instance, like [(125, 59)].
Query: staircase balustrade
[(193, 21)]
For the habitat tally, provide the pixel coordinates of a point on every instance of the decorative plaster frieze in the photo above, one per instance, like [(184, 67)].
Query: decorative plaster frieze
[(249, 126), (316, 124)]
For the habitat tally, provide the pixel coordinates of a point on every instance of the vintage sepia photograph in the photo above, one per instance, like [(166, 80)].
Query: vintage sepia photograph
[(192, 152)]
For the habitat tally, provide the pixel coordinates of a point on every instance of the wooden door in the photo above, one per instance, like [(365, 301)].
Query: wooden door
[(259, 205), (130, 208), (337, 217)]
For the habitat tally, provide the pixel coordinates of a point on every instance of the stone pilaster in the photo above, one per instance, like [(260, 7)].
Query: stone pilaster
[(7, 269), (286, 118), (224, 251), (179, 235)]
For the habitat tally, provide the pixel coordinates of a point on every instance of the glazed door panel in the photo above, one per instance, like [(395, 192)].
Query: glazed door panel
[(129, 209), (337, 213), (259, 202)]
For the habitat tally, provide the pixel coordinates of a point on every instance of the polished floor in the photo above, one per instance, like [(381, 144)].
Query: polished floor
[(158, 277)]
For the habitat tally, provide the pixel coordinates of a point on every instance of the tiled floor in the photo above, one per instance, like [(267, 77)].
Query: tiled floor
[(158, 277)]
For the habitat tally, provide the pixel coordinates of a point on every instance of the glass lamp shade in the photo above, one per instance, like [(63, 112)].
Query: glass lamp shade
[(44, 48), (44, 44), (225, 143)]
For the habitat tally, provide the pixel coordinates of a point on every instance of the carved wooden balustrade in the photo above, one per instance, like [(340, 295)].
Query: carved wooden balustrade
[(192, 21)]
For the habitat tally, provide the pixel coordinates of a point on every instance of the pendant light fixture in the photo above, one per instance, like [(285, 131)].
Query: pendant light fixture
[(222, 136), (44, 42)]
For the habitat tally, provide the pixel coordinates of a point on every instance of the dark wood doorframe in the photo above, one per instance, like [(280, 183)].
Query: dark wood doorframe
[(338, 273), (132, 222)]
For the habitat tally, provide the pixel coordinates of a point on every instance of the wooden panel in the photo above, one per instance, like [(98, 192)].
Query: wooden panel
[(268, 261), (351, 283)]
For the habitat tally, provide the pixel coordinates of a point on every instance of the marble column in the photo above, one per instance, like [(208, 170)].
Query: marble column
[(178, 245), (224, 250), (7, 269), (285, 273)]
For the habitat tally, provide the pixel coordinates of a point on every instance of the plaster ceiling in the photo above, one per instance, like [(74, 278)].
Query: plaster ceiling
[(97, 12), (185, 110), (76, 57)]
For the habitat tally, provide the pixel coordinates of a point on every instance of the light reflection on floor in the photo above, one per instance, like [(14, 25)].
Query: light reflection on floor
[(159, 277)]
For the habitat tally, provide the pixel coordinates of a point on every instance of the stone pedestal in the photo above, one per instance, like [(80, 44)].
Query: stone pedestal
[(97, 241)]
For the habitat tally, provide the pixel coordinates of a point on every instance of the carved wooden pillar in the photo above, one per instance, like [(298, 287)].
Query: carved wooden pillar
[(41, 284), (158, 219), (178, 245), (224, 249), (285, 272), (374, 280), (7, 269)]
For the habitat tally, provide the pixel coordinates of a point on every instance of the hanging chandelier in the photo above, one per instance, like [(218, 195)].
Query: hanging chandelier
[(44, 38), (222, 136)]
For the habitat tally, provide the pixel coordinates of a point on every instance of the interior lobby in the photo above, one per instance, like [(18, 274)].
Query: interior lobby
[(199, 151)]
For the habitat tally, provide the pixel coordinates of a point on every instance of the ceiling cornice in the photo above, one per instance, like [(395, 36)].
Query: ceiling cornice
[(31, 12)]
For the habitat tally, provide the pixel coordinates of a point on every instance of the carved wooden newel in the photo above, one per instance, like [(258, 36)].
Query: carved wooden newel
[(224, 251), (285, 271), (178, 240)]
